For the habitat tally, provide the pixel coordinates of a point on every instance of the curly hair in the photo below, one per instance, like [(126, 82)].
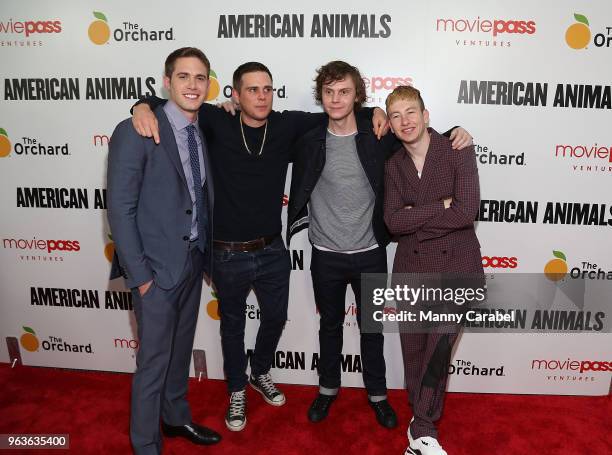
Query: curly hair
[(336, 71)]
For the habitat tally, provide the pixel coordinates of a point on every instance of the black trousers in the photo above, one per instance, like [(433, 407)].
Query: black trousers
[(331, 274)]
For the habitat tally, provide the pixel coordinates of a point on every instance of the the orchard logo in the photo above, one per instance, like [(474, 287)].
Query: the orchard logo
[(556, 269), (5, 143), (28, 146), (214, 87), (468, 368), (99, 31), (500, 262), (578, 35), (28, 340), (212, 307), (109, 249)]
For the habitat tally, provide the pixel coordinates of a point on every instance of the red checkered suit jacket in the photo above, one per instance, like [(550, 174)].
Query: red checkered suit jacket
[(430, 237)]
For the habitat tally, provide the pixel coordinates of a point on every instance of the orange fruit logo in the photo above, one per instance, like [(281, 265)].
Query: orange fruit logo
[(28, 340), (214, 87), (212, 307), (5, 144), (556, 269), (99, 31), (109, 249), (578, 35)]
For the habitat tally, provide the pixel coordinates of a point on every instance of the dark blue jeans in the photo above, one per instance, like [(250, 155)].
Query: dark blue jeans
[(266, 271), (331, 274)]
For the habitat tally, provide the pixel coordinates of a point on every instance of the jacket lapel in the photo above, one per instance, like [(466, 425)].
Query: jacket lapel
[(409, 172), (168, 140), (429, 168), (365, 153)]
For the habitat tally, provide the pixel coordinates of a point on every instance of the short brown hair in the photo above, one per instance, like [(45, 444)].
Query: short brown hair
[(248, 67), (185, 52), (336, 71), (406, 93)]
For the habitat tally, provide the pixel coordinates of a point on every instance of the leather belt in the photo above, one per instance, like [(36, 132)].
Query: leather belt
[(248, 246)]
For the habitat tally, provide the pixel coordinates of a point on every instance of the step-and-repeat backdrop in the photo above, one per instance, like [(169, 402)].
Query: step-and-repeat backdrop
[(530, 81)]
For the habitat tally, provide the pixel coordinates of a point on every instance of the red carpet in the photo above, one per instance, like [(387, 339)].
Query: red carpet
[(93, 408)]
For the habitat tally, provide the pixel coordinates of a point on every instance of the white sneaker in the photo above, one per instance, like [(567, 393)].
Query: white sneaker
[(423, 446)]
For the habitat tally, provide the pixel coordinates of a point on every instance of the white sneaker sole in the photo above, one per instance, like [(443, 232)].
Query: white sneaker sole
[(266, 399), (235, 428)]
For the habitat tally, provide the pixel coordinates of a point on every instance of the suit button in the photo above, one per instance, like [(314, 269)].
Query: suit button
[(188, 212), (443, 251), (415, 252), (185, 238)]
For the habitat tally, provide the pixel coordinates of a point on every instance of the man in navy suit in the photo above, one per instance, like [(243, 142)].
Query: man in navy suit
[(160, 201)]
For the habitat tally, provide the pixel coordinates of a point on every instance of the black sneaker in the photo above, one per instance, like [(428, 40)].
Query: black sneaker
[(264, 385), (320, 407), (385, 415), (235, 419)]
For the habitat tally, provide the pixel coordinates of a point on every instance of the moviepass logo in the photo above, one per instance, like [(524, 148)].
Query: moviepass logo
[(500, 262), (42, 245), (492, 26), (30, 27), (388, 83), (586, 158), (580, 366)]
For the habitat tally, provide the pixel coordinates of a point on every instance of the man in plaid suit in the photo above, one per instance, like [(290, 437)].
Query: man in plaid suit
[(431, 200)]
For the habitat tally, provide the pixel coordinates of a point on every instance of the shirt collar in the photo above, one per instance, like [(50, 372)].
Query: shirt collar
[(176, 117)]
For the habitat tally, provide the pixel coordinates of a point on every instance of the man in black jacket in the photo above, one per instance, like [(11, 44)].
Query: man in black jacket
[(337, 190)]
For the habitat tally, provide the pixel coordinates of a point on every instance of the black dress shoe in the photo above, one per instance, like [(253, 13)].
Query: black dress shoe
[(385, 415), (193, 432), (320, 407)]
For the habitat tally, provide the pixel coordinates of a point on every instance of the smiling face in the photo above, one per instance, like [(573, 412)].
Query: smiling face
[(188, 85), (408, 121), (255, 97), (338, 98)]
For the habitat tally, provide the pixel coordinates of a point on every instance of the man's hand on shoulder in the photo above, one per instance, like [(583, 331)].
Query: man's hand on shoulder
[(145, 122), (380, 122), (229, 106), (460, 139)]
